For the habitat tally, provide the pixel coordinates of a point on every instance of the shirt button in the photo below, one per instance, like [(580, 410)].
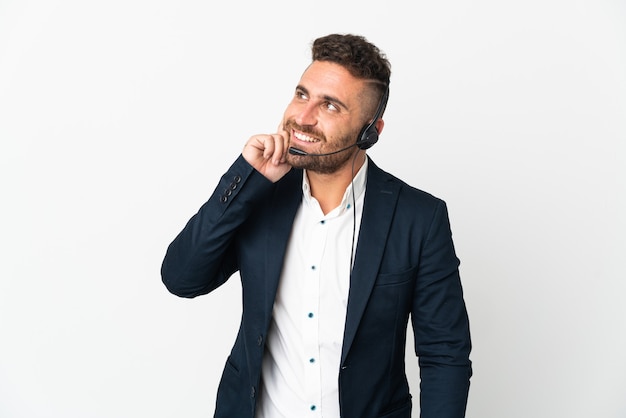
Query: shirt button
[(310, 315), (311, 360), (237, 179), (313, 407)]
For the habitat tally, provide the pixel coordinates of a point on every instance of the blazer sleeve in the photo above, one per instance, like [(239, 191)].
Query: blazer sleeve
[(202, 256), (441, 325)]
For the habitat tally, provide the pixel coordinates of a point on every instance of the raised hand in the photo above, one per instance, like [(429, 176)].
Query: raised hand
[(266, 153)]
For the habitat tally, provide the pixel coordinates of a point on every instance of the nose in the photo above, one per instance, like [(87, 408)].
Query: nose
[(307, 115)]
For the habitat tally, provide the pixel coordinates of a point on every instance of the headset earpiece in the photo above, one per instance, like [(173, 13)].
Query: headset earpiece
[(368, 137), (369, 134)]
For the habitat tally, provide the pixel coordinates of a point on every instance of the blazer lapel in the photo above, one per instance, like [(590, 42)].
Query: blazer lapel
[(381, 196), (285, 202)]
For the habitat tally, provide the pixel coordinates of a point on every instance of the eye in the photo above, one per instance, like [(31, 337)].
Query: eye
[(330, 106), (300, 95)]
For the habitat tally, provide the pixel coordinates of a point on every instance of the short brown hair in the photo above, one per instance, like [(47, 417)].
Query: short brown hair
[(356, 54)]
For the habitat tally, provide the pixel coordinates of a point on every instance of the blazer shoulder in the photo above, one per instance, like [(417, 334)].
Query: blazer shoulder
[(406, 193)]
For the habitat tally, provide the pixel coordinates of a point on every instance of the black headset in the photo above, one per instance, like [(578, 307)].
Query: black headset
[(369, 134), (367, 137)]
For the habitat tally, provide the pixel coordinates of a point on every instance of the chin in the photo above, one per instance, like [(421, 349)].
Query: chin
[(327, 164)]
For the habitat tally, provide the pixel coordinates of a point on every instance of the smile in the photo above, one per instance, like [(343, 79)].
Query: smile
[(303, 137)]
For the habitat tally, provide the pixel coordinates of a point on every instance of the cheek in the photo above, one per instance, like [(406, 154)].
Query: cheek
[(293, 109), (347, 135), (288, 113)]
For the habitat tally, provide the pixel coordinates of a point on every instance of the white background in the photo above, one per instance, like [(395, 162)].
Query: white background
[(117, 118)]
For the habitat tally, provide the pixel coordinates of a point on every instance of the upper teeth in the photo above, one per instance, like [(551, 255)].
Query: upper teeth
[(303, 137)]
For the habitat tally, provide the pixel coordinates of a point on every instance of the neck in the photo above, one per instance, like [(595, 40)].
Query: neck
[(329, 189)]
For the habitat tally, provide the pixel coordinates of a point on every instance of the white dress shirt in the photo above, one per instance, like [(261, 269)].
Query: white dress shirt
[(300, 369)]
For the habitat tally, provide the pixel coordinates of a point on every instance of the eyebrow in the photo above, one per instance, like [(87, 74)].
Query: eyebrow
[(325, 97)]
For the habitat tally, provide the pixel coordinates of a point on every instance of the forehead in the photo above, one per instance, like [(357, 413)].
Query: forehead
[(327, 79)]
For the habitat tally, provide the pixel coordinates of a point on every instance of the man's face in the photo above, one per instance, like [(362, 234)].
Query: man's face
[(325, 115)]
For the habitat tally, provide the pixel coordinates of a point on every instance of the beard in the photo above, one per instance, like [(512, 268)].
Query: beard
[(323, 164)]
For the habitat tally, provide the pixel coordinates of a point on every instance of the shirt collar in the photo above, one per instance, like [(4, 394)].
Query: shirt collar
[(358, 183)]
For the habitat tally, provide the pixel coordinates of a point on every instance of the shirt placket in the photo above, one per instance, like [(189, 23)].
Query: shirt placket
[(311, 297)]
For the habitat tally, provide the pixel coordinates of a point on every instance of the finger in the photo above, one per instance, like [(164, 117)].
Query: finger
[(267, 142), (284, 137), (278, 148)]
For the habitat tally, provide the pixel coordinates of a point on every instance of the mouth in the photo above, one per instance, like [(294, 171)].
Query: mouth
[(303, 137)]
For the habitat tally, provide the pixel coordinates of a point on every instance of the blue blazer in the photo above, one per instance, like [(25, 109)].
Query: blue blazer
[(405, 268)]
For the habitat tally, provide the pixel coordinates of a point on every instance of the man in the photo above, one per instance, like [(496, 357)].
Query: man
[(334, 256)]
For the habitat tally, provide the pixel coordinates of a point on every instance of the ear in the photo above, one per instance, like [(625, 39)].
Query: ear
[(380, 124)]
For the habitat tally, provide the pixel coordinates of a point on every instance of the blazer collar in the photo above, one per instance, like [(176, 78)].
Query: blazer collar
[(286, 200), (381, 196)]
